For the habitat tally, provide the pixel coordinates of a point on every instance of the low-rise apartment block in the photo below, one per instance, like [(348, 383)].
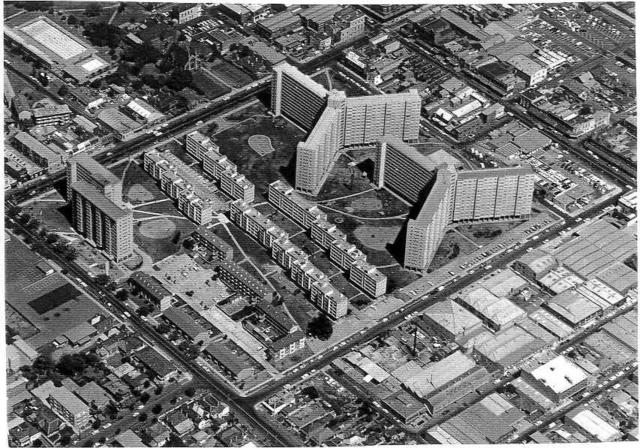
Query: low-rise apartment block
[(329, 299), (368, 278), (206, 238), (240, 280)]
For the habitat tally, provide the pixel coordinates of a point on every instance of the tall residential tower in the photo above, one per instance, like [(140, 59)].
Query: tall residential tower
[(336, 121)]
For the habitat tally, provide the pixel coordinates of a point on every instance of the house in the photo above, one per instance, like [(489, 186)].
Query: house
[(92, 394), (184, 323), (180, 423), (208, 407), (128, 439)]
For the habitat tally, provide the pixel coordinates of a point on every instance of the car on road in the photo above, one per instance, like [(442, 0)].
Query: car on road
[(385, 319)]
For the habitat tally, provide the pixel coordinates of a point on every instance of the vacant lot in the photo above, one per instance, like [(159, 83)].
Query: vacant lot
[(53, 212), (208, 85), (261, 170), (230, 74)]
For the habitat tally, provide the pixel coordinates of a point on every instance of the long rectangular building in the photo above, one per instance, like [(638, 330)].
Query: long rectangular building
[(492, 194), (368, 278), (239, 279), (284, 197)]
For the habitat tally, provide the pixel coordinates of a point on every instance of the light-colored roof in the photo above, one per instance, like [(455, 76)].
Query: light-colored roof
[(452, 317), (559, 374), (498, 310), (595, 425)]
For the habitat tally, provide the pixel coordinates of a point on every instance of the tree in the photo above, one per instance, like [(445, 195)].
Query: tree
[(95, 424), (190, 392), (320, 327), (63, 90), (102, 279), (13, 211), (71, 364), (176, 237), (163, 328), (156, 409), (72, 20), (103, 34), (158, 390), (142, 417), (122, 294), (188, 244), (51, 238), (144, 398)]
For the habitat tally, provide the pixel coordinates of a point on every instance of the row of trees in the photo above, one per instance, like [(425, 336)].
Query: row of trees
[(41, 235)]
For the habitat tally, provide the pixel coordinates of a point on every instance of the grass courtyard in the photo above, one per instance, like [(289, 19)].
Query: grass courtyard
[(261, 170)]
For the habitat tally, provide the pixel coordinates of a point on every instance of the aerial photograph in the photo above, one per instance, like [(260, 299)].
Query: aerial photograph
[(281, 225)]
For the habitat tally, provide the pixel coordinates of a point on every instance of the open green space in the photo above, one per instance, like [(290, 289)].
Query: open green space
[(304, 242), (158, 247), (344, 180), (165, 207), (484, 233), (263, 170), (138, 187), (54, 213), (322, 262), (253, 249), (344, 286), (371, 204), (208, 85), (398, 277), (300, 308), (453, 245), (222, 233), (230, 74)]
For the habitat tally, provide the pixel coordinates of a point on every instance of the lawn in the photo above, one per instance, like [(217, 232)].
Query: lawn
[(257, 108), (484, 233), (300, 308), (344, 286), (344, 180), (208, 85), (398, 277), (56, 215), (452, 246), (371, 204), (263, 170), (160, 248), (253, 249), (221, 232), (376, 247), (322, 262), (165, 207), (138, 187), (230, 74), (305, 243)]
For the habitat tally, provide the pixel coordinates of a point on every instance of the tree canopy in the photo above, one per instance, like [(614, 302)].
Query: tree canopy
[(320, 327)]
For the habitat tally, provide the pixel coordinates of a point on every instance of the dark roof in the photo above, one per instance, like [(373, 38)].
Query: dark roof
[(233, 359), (150, 284), (276, 314), (99, 173), (184, 322), (286, 340), (248, 280), (214, 239), (154, 361)]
